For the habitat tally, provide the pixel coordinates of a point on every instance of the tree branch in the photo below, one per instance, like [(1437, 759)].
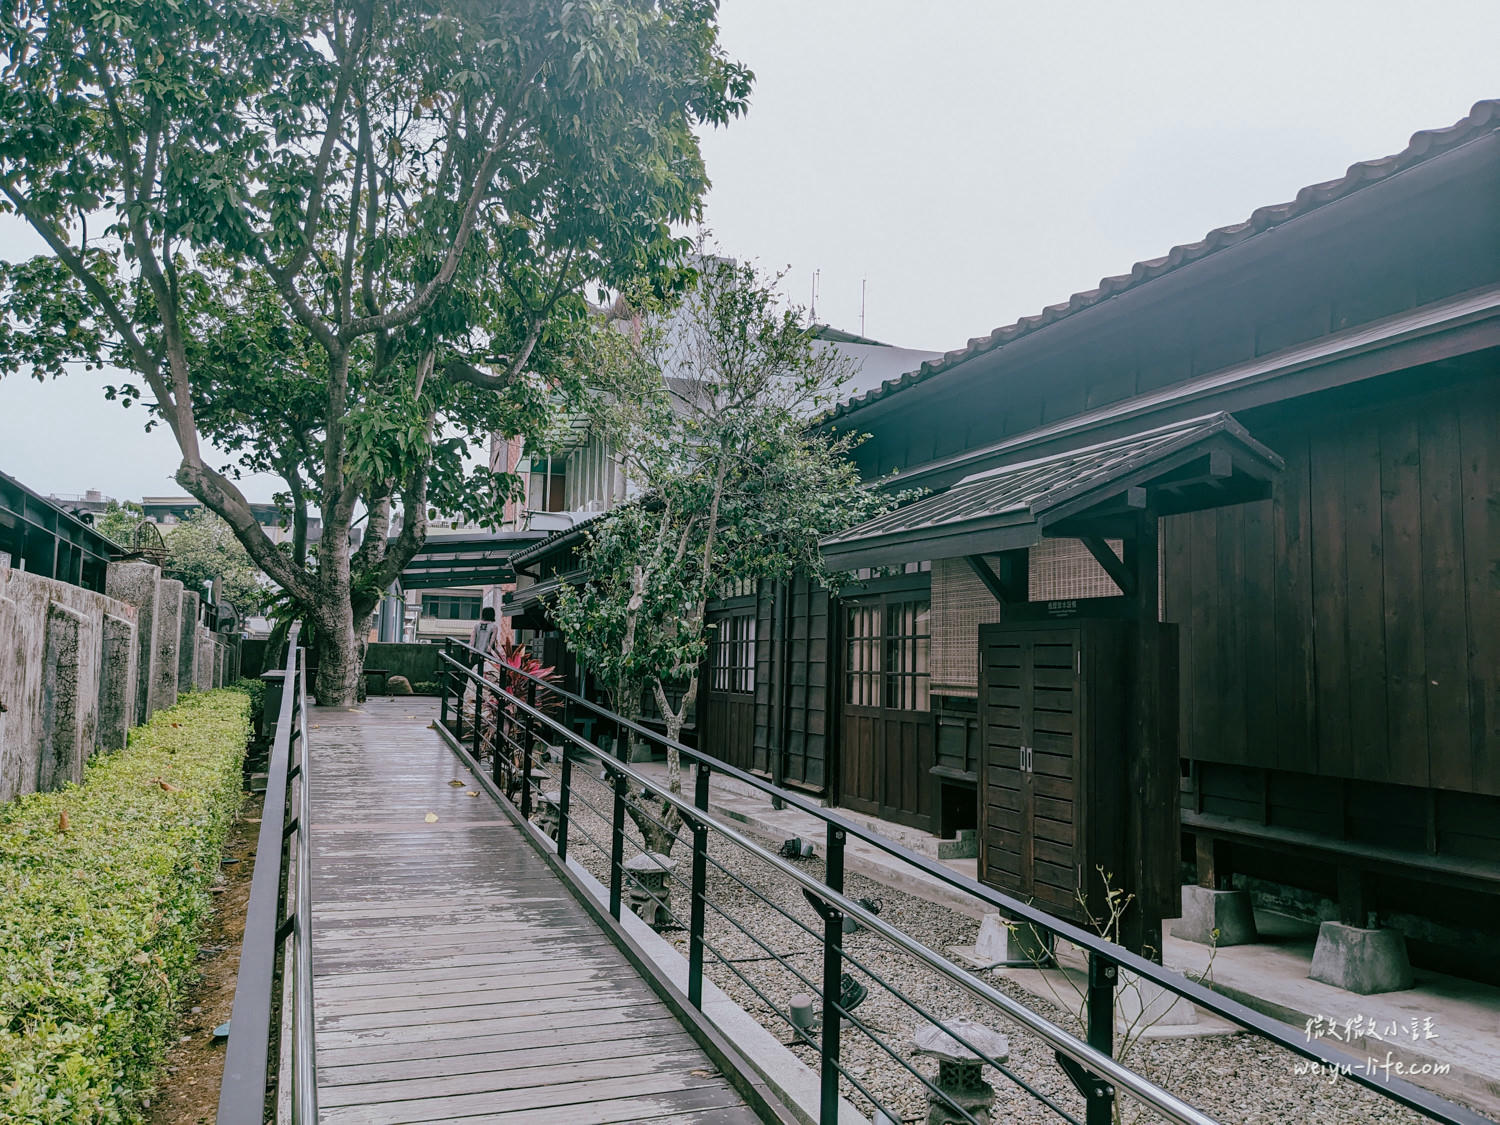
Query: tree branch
[(149, 364), (222, 495), (362, 19)]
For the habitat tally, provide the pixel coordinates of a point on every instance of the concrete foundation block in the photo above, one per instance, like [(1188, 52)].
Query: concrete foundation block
[(187, 643), (964, 845), (168, 637), (136, 583), (67, 734), (1212, 917), (1001, 942), (117, 684), (1360, 960)]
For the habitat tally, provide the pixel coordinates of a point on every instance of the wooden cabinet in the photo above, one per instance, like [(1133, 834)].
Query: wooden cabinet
[(1053, 771)]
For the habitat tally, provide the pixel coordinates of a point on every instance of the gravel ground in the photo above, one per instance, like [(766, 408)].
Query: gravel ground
[(1237, 1079)]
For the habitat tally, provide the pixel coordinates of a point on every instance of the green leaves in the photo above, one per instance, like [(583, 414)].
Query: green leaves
[(99, 924), (344, 242), (707, 404)]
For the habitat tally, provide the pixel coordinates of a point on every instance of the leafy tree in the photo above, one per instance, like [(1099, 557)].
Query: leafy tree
[(708, 405), (202, 548), (118, 522), (345, 241)]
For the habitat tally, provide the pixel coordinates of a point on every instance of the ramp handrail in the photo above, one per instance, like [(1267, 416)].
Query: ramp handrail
[(517, 723), (277, 946)]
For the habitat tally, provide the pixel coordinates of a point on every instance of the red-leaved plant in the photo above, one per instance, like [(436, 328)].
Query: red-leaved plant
[(509, 668)]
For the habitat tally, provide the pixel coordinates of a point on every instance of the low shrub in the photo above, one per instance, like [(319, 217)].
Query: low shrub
[(103, 893), (256, 690)]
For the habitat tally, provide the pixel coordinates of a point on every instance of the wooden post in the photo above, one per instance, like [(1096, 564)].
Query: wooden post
[(1355, 900), (1213, 863), (1152, 766)]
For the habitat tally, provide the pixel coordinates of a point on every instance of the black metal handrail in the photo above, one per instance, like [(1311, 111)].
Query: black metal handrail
[(277, 946), (1089, 1065)]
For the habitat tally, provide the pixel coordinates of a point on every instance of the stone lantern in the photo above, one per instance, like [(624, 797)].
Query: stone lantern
[(648, 888), (959, 1081), (547, 812)]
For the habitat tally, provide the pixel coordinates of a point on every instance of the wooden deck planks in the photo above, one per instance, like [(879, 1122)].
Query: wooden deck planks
[(455, 977)]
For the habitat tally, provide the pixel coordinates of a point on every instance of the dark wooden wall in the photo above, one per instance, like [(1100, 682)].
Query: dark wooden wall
[(1350, 626), (792, 677)]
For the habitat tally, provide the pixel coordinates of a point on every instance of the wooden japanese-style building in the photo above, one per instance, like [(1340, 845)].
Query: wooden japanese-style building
[(1216, 543)]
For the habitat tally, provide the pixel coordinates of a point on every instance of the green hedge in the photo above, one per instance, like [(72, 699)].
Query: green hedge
[(256, 690), (99, 923)]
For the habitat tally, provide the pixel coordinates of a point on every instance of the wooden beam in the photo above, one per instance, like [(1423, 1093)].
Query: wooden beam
[(1220, 464), (1135, 497), (991, 580), (1118, 572)]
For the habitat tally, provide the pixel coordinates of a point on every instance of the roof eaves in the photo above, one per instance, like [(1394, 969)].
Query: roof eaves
[(1483, 118)]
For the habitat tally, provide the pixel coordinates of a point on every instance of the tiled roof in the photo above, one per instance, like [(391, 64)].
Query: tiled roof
[(537, 550), (1484, 117), (1020, 499)]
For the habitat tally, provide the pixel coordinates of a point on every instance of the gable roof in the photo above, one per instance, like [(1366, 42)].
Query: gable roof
[(1483, 118)]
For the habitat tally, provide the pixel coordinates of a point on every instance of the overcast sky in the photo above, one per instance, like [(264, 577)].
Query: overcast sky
[(972, 161)]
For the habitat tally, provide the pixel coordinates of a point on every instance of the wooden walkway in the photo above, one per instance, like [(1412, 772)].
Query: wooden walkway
[(456, 979)]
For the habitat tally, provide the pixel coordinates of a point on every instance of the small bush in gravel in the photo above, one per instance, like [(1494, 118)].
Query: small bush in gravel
[(103, 891)]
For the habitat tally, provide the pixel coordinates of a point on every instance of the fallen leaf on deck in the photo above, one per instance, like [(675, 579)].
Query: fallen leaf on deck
[(456, 784), (471, 793), (431, 818)]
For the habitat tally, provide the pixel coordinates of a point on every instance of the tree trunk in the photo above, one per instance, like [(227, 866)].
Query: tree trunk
[(342, 634), (341, 658)]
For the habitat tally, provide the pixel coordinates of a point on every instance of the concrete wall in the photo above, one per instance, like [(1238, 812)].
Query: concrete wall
[(52, 667), (78, 669), (417, 662)]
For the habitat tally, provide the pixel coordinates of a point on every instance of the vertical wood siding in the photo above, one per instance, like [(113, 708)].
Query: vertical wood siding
[(1350, 626)]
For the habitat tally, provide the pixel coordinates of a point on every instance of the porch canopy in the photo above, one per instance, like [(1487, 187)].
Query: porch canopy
[(1092, 491), (476, 558)]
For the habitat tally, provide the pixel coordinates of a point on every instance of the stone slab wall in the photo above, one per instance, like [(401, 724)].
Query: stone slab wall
[(52, 663), (168, 636), (187, 642), (138, 584), (203, 676), (78, 669), (117, 683)]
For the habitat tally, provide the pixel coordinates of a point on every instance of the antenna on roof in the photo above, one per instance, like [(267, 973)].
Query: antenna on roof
[(862, 282), (813, 311)]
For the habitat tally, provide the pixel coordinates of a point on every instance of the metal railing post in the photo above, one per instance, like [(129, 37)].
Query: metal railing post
[(1103, 974), (479, 686), (564, 787), (443, 682), (695, 925), (833, 969), (528, 746), (700, 785), (617, 847)]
